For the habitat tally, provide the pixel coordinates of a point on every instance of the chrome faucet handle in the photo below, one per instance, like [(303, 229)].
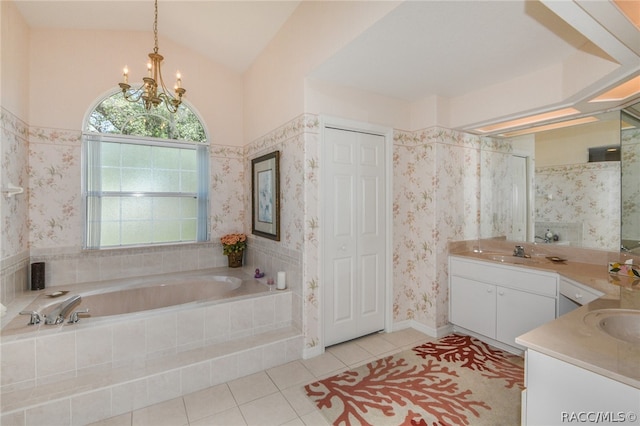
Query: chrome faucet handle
[(73, 318), (35, 317)]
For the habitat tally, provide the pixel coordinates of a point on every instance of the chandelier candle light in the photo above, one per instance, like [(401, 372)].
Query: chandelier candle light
[(148, 92)]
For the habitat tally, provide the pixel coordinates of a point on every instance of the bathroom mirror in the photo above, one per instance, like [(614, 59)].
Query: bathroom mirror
[(557, 186), (630, 185)]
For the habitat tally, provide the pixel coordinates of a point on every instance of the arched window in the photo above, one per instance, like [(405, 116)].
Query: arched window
[(145, 176)]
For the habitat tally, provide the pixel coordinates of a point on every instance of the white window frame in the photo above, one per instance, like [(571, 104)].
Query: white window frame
[(92, 191)]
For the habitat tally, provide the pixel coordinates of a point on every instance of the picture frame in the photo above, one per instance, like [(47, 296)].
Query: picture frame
[(265, 196)]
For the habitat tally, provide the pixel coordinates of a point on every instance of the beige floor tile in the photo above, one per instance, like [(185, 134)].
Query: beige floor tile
[(324, 364), (297, 398), (295, 422), (121, 420), (168, 413), (314, 419), (349, 353), (231, 417), (208, 402), (375, 344), (290, 374), (271, 410), (405, 337), (252, 387)]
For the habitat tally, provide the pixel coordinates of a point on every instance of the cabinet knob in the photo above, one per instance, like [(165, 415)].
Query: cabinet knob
[(501, 293), (578, 296), (489, 290)]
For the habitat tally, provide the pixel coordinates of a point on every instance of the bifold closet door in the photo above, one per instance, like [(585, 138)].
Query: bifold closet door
[(354, 234)]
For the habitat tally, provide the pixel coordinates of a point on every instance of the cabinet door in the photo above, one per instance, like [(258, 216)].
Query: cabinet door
[(557, 389), (473, 306), (519, 312)]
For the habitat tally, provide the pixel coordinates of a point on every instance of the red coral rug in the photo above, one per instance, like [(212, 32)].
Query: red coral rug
[(456, 380)]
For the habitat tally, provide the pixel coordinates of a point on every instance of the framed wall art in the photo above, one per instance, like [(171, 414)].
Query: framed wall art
[(265, 196)]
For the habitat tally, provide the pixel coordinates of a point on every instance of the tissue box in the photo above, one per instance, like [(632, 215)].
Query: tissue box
[(626, 269)]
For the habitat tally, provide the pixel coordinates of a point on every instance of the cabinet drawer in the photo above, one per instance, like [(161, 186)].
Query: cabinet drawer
[(578, 293), (507, 276)]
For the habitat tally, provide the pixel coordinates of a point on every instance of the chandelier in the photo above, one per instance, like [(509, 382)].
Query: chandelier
[(148, 91)]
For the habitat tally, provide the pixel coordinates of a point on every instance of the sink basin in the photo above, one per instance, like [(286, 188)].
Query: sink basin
[(509, 258), (622, 324)]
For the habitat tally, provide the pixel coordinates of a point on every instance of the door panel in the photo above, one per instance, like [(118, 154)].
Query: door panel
[(344, 274), (343, 189), (354, 235)]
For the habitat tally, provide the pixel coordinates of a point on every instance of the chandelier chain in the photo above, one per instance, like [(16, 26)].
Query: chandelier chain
[(155, 28)]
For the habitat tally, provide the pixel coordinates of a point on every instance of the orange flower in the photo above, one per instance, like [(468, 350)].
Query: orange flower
[(233, 243)]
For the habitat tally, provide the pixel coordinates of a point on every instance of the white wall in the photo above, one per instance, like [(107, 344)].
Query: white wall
[(344, 102), (274, 86), (15, 61)]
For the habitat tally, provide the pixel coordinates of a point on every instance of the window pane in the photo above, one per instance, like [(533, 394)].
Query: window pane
[(136, 156), (110, 234), (189, 229), (136, 208), (136, 232), (189, 182), (188, 160), (166, 181), (110, 209), (189, 208), (137, 180), (166, 231), (166, 208), (110, 179), (166, 158), (110, 153)]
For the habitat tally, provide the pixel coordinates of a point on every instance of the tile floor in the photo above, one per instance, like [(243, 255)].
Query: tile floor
[(270, 397)]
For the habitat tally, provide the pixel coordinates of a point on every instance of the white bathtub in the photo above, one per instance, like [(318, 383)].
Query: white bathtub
[(140, 295), (146, 341)]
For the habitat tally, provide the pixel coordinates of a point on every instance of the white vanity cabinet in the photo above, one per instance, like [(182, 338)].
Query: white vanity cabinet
[(500, 302), (560, 393), (573, 295)]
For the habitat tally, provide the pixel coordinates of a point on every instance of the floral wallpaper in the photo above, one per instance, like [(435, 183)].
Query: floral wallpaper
[(14, 210), (226, 190), (297, 142), (55, 202), (587, 194), (435, 200), (435, 192), (495, 182)]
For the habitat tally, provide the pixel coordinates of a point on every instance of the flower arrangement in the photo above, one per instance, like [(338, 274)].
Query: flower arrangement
[(233, 243)]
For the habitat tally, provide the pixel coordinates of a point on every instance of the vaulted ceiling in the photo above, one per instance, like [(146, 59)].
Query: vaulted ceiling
[(419, 49)]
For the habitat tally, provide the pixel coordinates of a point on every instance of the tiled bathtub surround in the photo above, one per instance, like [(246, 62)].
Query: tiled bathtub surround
[(14, 276), (81, 373), (71, 266)]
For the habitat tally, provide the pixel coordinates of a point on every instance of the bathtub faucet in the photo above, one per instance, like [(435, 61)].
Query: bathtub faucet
[(58, 315)]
